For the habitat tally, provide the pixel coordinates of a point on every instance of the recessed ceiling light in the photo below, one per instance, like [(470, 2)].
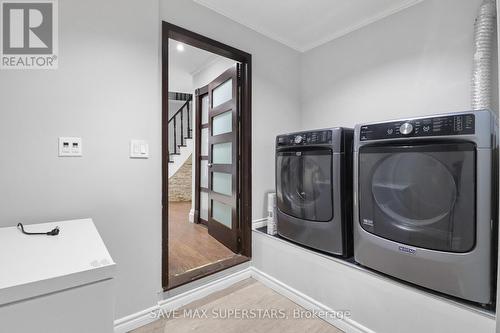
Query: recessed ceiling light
[(180, 47)]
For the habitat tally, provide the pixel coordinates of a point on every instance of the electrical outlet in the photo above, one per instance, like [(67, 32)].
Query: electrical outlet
[(70, 147)]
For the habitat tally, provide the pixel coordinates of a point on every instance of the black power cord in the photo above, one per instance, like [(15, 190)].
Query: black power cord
[(53, 232)]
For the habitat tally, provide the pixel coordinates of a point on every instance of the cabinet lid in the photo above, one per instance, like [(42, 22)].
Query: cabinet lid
[(34, 265)]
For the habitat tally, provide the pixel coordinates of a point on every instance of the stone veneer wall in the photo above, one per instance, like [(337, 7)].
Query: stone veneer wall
[(179, 185)]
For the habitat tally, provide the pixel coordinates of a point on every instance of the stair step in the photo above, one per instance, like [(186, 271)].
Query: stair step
[(175, 153), (188, 137), (181, 146), (170, 161)]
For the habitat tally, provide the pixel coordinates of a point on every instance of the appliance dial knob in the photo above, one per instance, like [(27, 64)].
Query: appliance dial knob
[(406, 128), (298, 139)]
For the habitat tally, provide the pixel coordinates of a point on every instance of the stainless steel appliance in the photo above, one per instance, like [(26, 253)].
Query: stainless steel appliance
[(425, 208), (314, 189)]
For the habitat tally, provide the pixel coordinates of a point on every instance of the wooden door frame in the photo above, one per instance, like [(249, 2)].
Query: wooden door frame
[(197, 148), (170, 31)]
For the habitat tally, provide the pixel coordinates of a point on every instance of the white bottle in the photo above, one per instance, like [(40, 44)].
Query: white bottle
[(272, 228)]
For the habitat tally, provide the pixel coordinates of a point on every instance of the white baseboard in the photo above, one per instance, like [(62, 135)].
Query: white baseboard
[(259, 223), (205, 290), (135, 320), (145, 317), (346, 324)]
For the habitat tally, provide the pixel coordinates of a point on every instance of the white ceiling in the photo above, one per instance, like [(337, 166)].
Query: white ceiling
[(305, 24), (191, 60)]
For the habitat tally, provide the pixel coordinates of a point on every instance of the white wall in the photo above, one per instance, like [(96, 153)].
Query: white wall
[(107, 91), (212, 71), (179, 80), (375, 302), (416, 62), (275, 85)]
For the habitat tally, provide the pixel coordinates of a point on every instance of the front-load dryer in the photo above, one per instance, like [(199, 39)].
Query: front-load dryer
[(314, 189), (425, 207)]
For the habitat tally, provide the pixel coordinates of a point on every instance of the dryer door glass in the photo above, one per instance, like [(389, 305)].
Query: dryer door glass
[(304, 184), (421, 195)]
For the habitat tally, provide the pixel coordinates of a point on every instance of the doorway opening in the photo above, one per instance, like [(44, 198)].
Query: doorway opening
[(206, 156)]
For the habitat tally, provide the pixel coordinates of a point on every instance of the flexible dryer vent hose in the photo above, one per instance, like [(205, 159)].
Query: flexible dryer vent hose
[(485, 29)]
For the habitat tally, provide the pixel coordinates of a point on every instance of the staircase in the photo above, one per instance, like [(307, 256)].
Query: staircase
[(180, 137)]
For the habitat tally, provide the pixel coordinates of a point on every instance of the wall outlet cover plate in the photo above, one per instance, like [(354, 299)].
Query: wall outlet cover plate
[(70, 147), (139, 149)]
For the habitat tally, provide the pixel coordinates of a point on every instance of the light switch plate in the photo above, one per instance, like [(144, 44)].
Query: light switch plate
[(139, 149), (70, 147)]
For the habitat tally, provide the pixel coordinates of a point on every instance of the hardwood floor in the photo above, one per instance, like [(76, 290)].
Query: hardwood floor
[(190, 247), (247, 295)]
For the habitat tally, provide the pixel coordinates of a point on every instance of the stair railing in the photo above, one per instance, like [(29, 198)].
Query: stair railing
[(180, 129)]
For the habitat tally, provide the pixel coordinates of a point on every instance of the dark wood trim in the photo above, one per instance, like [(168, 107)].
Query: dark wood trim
[(165, 156), (245, 172), (200, 94), (198, 273), (178, 96), (192, 38), (197, 152), (245, 143), (222, 138), (226, 168), (202, 90), (228, 200)]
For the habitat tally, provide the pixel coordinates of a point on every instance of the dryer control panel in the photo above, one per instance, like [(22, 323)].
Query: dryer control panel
[(422, 127), (305, 138)]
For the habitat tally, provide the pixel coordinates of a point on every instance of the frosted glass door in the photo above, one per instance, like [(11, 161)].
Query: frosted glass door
[(204, 142), (222, 153), (222, 213), (222, 158), (204, 110), (222, 183), (222, 123), (203, 131), (222, 93)]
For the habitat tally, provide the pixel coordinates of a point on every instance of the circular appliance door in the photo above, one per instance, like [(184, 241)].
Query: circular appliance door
[(415, 189), (421, 195), (304, 184)]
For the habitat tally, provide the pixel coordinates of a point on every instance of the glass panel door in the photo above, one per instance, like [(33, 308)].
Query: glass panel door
[(222, 93), (223, 123), (421, 195), (222, 156), (202, 130)]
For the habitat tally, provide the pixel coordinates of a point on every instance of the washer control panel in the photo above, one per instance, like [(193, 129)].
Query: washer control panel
[(434, 126), (305, 138)]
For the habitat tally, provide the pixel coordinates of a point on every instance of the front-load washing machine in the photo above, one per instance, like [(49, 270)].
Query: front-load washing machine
[(425, 206), (314, 189)]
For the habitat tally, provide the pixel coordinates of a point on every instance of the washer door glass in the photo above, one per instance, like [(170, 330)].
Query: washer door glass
[(304, 184), (421, 195)]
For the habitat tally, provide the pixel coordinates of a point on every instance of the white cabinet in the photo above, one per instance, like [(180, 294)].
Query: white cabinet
[(61, 283)]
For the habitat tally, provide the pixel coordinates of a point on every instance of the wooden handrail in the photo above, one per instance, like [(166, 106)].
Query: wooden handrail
[(173, 120), (180, 109)]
